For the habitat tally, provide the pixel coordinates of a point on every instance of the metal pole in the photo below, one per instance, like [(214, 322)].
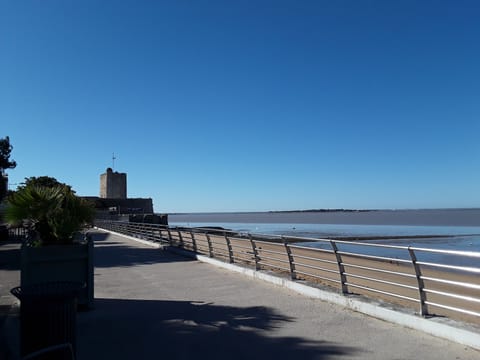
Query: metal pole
[(255, 252), (194, 242), (341, 268), (180, 238), (421, 285), (210, 247), (229, 247), (291, 261)]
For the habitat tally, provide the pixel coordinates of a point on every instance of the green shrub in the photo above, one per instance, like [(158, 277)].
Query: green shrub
[(53, 213)]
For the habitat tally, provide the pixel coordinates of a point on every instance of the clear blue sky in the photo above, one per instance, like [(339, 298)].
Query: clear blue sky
[(247, 105)]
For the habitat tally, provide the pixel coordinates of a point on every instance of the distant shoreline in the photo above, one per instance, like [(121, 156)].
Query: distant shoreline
[(326, 210), (367, 210), (397, 237), (422, 217)]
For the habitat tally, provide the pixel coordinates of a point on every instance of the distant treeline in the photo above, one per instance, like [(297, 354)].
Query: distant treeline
[(319, 211)]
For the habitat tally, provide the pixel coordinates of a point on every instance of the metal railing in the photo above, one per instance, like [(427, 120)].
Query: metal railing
[(403, 275), (17, 233)]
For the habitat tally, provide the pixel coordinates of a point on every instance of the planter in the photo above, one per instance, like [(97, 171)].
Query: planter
[(54, 263)]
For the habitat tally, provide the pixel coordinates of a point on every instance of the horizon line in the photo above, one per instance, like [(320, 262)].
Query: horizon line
[(325, 210)]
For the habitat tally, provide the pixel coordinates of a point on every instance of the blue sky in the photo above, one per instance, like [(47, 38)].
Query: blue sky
[(247, 105)]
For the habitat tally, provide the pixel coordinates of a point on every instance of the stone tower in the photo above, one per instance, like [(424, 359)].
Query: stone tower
[(113, 185)]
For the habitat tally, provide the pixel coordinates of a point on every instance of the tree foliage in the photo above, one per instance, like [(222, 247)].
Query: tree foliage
[(54, 213), (5, 163), (44, 181), (5, 150)]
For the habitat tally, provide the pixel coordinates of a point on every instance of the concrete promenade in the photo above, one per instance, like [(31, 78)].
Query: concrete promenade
[(151, 304)]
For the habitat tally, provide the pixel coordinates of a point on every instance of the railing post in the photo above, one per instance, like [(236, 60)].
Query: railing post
[(145, 231), (210, 247), (291, 262), (160, 234), (129, 229), (194, 242), (421, 285), (255, 252), (341, 268), (170, 238), (150, 232), (180, 238), (229, 247)]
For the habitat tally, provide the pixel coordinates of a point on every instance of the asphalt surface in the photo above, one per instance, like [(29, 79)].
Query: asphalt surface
[(151, 304)]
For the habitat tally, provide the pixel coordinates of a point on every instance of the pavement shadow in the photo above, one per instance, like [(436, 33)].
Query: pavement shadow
[(112, 253), (12, 241), (151, 329), (108, 253), (10, 259), (126, 256), (98, 236)]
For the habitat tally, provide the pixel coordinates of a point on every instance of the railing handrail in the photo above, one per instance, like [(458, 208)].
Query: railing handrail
[(241, 234), (287, 252)]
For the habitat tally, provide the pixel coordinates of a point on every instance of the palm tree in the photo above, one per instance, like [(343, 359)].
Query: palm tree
[(54, 214)]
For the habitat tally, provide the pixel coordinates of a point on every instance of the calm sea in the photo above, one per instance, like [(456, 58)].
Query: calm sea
[(452, 229)]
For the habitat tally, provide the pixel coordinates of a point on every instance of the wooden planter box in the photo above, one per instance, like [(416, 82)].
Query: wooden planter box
[(60, 263)]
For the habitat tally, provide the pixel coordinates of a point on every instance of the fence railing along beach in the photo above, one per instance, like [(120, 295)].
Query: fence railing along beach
[(401, 275), (17, 233)]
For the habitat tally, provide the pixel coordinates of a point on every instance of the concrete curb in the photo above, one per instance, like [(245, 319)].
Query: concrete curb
[(439, 327), (142, 241)]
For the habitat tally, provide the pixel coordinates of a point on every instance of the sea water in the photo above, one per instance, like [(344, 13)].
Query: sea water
[(446, 237)]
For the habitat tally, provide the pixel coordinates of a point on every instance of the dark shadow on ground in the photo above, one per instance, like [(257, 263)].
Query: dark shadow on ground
[(126, 256), (119, 254), (10, 258), (107, 254), (11, 241), (98, 236), (153, 329)]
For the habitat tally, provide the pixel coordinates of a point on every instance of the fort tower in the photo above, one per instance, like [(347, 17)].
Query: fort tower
[(113, 185)]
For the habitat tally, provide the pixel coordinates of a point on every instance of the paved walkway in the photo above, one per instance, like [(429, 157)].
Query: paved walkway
[(153, 304)]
